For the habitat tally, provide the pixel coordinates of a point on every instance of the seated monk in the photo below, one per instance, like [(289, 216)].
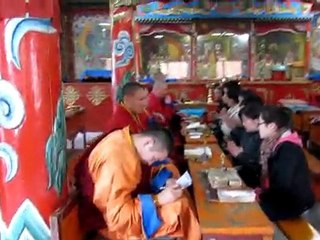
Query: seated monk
[(160, 102), (131, 212), (131, 111)]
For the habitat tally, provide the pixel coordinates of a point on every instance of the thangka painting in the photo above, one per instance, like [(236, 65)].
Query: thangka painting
[(167, 52), (92, 45)]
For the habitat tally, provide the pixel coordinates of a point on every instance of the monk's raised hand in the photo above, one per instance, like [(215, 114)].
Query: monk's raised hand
[(169, 195), (171, 182)]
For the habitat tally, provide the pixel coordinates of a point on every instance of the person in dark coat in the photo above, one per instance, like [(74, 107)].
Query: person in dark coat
[(246, 149), (285, 181)]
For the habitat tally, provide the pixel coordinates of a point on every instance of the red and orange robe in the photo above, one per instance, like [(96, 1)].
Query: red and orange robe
[(116, 172)]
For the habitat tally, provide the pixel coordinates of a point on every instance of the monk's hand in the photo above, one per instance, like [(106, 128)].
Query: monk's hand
[(169, 195), (171, 182), (159, 117)]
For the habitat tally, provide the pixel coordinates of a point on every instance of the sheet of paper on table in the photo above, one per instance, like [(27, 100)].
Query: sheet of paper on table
[(236, 195), (195, 125), (198, 151)]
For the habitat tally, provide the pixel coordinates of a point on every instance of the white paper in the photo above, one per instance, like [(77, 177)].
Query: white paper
[(185, 180), (198, 151), (195, 136), (225, 195), (195, 125)]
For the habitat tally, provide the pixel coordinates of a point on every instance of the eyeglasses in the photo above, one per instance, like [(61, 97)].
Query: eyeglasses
[(261, 123)]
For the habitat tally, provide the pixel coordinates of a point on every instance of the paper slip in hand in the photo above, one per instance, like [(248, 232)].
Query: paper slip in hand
[(185, 180)]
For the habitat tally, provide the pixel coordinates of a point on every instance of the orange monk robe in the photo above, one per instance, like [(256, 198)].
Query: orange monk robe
[(115, 169), (122, 117)]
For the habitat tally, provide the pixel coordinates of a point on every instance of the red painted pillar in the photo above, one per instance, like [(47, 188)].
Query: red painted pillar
[(32, 122), (123, 49)]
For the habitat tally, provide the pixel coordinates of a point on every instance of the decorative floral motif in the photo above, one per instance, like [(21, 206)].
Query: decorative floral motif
[(97, 95), (15, 30), (27, 223), (55, 150), (123, 47), (71, 95), (10, 157), (12, 110)]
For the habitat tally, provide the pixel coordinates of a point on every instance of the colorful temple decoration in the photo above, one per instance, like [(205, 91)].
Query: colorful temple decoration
[(32, 123), (179, 10), (123, 48)]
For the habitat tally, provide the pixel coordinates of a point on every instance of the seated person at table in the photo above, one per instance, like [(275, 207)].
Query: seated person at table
[(132, 212), (160, 102), (246, 154), (217, 97), (131, 110), (285, 182), (247, 96), (231, 119)]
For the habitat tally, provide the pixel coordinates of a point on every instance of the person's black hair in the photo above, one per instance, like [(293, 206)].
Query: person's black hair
[(233, 89), (163, 138), (281, 116), (249, 96), (251, 110), (131, 88)]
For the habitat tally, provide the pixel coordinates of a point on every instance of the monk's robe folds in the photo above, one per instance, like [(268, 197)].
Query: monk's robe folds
[(116, 171)]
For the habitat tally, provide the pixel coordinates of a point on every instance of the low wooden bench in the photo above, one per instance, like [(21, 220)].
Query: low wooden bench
[(64, 222), (298, 229), (313, 163)]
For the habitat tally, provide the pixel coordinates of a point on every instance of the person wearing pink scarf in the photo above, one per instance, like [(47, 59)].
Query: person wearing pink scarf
[(285, 182)]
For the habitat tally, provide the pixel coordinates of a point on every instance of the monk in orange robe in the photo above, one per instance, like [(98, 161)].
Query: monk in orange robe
[(130, 212), (131, 111)]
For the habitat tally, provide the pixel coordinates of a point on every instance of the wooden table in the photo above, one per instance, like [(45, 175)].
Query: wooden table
[(75, 120), (302, 116), (222, 221)]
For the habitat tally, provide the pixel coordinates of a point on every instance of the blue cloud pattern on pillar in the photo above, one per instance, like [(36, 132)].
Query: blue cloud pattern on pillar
[(27, 223), (12, 110), (16, 28), (56, 150), (12, 113), (123, 47), (10, 157)]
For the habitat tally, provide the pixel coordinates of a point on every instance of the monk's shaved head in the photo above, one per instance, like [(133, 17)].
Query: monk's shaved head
[(160, 88), (135, 97), (163, 139), (131, 88)]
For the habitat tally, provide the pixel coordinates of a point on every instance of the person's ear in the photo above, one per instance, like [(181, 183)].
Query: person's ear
[(272, 126), (149, 142)]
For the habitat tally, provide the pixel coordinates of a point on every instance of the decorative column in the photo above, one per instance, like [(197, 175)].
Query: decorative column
[(123, 49), (32, 122)]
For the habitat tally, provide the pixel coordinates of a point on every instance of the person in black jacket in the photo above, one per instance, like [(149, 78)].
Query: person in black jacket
[(285, 182), (246, 152)]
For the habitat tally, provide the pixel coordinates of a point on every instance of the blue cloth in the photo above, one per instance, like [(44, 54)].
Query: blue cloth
[(301, 107), (96, 73), (314, 76), (150, 220), (193, 111), (158, 163), (160, 179)]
